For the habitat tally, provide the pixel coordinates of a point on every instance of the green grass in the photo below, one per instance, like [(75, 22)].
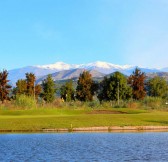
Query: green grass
[(37, 119)]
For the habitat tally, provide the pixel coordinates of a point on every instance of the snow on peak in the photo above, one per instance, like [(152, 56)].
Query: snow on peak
[(107, 65), (56, 66), (98, 64)]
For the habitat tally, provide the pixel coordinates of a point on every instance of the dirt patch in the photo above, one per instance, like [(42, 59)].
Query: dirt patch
[(106, 112)]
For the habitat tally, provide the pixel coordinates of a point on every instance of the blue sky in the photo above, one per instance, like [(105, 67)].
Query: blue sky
[(37, 32)]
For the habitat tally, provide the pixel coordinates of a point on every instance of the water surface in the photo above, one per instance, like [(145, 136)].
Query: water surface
[(85, 147)]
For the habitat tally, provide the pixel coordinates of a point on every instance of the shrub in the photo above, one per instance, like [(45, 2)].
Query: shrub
[(122, 104), (153, 102), (79, 105), (93, 104), (25, 102), (133, 105), (106, 104), (58, 103)]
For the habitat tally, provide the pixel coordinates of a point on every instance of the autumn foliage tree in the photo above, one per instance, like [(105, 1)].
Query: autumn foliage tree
[(4, 86), (30, 81), (137, 82), (27, 86), (21, 87), (85, 87), (38, 90)]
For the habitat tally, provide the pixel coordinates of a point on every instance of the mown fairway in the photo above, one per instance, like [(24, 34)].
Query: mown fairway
[(38, 119)]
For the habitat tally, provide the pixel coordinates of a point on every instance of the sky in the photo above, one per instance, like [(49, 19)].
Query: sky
[(39, 32)]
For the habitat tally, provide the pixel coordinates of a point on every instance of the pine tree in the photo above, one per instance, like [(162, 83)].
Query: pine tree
[(103, 89), (4, 86), (67, 92), (30, 81), (21, 87), (49, 89)]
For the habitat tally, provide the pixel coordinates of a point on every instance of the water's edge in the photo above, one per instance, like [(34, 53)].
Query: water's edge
[(99, 129)]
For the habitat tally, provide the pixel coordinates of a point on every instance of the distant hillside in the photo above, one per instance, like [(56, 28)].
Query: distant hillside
[(151, 75), (16, 74), (70, 74), (160, 74), (61, 70)]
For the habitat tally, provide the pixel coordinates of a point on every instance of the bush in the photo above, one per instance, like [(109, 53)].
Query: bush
[(133, 105), (93, 104), (106, 104), (153, 102), (114, 104), (25, 102), (57, 103), (78, 105)]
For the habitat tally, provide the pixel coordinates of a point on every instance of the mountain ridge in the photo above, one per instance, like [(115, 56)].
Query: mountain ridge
[(70, 74), (101, 68)]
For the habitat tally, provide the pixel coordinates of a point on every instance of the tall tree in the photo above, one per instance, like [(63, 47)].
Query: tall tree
[(49, 89), (30, 80), (115, 87), (85, 87), (103, 92), (137, 82), (21, 87), (38, 90), (67, 92), (4, 86), (157, 87), (27, 86)]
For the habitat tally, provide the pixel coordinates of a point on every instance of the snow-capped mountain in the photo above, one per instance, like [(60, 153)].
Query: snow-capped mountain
[(59, 66), (101, 67), (107, 68)]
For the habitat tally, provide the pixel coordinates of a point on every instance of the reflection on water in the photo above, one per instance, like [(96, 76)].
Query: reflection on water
[(84, 147)]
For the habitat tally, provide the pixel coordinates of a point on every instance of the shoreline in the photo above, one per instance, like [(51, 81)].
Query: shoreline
[(111, 129), (95, 129)]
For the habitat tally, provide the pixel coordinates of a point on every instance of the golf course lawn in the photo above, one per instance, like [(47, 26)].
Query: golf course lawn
[(38, 119)]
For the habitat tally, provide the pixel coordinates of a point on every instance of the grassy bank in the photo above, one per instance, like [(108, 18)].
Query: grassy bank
[(37, 119)]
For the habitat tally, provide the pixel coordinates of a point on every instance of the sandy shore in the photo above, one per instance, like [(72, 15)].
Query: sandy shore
[(96, 129), (112, 129)]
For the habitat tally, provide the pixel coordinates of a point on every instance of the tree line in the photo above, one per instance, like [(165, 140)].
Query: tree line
[(112, 88)]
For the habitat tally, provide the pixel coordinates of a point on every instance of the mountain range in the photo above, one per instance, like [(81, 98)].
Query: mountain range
[(62, 71)]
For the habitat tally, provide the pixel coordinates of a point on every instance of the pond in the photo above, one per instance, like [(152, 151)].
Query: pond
[(85, 147)]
